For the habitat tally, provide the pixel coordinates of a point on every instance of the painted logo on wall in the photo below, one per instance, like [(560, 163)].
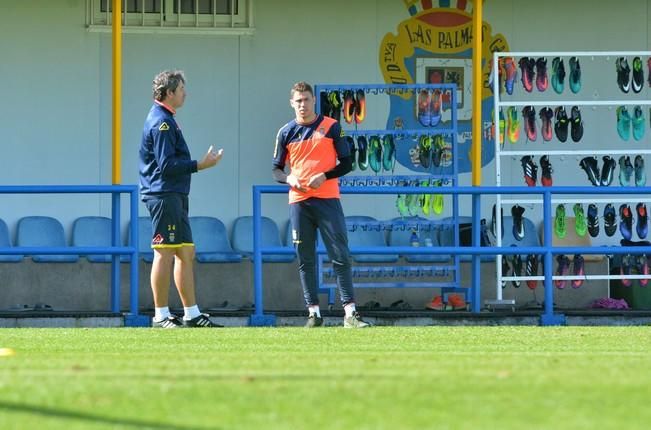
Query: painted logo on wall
[(434, 45)]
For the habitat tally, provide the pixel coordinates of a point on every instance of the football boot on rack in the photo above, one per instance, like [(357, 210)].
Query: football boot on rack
[(512, 124), (640, 173), (546, 114), (560, 227), (542, 81), (625, 170), (360, 106), (562, 269), (375, 153), (423, 112), (530, 170), (638, 123), (637, 81), (362, 152), (561, 124), (505, 268), (425, 151), (353, 150), (510, 73), (531, 269), (643, 269), (623, 74), (607, 171), (443, 150), (388, 153), (527, 74), (437, 200), (576, 130), (610, 220), (516, 262), (623, 123), (324, 104), (558, 75), (494, 221), (642, 225), (517, 213), (580, 223), (625, 269), (435, 108), (546, 175), (626, 221), (589, 165), (349, 106), (575, 75), (648, 63), (335, 105), (529, 118), (579, 270), (593, 220)]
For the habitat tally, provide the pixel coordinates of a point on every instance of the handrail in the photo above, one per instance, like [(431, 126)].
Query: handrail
[(115, 251), (546, 249)]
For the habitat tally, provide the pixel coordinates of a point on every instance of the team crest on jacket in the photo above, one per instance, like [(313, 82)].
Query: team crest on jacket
[(319, 133), (164, 127)]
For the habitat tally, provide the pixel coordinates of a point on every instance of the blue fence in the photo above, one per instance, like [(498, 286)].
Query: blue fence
[(548, 317), (115, 250)]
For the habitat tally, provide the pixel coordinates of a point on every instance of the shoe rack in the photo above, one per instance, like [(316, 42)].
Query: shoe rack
[(602, 94), (353, 126)]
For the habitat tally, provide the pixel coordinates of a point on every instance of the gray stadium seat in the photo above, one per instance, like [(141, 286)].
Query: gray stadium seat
[(43, 231), (400, 235), (5, 241), (94, 231), (362, 232), (211, 241), (243, 239)]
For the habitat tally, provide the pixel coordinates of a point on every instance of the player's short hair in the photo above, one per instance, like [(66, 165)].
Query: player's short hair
[(166, 80), (300, 87)]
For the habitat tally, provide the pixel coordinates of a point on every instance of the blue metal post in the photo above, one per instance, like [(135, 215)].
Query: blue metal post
[(115, 259), (475, 289), (548, 317), (258, 318)]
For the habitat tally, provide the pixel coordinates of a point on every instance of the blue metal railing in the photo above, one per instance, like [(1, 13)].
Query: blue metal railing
[(115, 250), (549, 317)]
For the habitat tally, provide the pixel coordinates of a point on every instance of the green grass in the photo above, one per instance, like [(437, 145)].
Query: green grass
[(331, 378)]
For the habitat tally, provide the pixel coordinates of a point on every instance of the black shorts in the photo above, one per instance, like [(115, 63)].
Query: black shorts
[(169, 220)]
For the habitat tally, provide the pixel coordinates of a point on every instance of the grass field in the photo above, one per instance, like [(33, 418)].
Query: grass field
[(331, 378)]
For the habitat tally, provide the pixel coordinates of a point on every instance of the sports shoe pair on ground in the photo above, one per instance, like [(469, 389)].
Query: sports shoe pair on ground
[(413, 204), (428, 107), (202, 321), (377, 153), (455, 302), (563, 269), (627, 170), (625, 123), (512, 266), (637, 263), (353, 321), (628, 77)]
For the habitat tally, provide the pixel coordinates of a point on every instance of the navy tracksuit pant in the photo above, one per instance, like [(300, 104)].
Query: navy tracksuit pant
[(327, 216)]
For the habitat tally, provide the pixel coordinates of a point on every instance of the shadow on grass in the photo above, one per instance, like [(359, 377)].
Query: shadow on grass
[(90, 418)]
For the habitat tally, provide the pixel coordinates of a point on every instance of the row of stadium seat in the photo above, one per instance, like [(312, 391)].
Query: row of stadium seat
[(213, 245)]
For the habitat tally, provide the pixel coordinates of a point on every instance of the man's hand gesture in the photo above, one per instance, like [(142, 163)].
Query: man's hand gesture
[(211, 158)]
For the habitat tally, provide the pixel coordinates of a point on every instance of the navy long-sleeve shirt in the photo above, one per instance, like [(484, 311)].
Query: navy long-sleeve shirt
[(165, 164)]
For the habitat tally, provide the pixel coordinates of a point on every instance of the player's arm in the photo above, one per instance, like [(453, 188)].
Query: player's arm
[(278, 170), (345, 164)]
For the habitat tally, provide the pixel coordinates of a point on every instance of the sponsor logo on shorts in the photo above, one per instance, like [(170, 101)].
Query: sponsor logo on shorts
[(158, 239), (172, 237)]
